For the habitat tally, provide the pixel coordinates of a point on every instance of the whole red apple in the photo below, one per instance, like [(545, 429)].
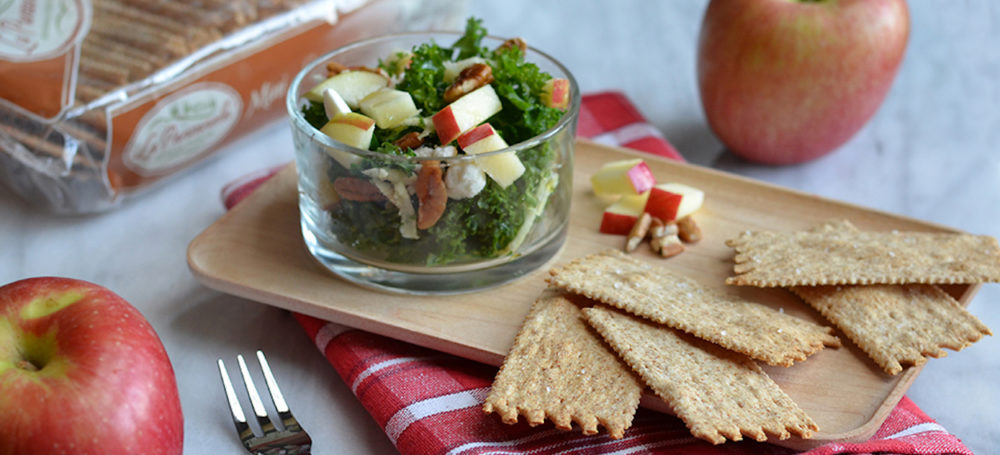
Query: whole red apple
[(786, 81), (82, 372)]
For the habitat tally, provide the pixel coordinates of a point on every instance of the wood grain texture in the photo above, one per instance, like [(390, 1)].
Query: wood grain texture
[(256, 251)]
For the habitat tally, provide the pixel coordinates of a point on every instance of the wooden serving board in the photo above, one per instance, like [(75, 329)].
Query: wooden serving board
[(256, 251)]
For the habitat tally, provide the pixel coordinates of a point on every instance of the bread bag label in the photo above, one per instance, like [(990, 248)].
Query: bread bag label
[(39, 48), (182, 126)]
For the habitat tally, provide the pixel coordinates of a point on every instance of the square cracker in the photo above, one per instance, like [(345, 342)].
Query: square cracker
[(837, 253), (560, 369), (897, 325), (718, 394), (656, 294)]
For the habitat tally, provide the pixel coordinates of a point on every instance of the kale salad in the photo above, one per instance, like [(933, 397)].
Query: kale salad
[(432, 193)]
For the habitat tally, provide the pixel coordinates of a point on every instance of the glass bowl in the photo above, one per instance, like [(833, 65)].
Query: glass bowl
[(481, 241)]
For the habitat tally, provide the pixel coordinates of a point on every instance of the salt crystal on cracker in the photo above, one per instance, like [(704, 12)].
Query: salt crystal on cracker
[(837, 253), (657, 294), (897, 325), (560, 369), (718, 394)]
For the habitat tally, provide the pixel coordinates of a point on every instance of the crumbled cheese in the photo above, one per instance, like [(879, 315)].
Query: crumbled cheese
[(464, 179), (447, 151)]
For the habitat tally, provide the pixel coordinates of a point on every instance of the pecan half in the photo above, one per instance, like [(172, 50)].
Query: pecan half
[(472, 77), (431, 193), (357, 189)]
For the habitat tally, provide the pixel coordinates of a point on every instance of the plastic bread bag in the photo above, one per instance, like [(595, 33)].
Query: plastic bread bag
[(102, 99)]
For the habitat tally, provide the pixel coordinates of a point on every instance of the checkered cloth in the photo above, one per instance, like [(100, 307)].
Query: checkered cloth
[(429, 402)]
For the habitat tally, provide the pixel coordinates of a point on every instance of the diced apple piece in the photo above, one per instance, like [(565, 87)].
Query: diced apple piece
[(389, 107), (503, 168), (352, 85), (619, 217), (663, 204), (691, 201), (556, 93), (451, 69), (673, 201), (334, 104), (625, 177), (466, 112), (399, 62), (352, 129)]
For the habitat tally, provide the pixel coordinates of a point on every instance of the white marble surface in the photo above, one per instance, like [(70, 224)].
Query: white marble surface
[(931, 152)]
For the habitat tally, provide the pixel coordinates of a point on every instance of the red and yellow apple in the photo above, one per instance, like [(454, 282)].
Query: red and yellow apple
[(555, 93), (353, 129), (465, 113), (619, 217), (81, 371), (786, 81), (623, 177), (673, 201), (503, 168)]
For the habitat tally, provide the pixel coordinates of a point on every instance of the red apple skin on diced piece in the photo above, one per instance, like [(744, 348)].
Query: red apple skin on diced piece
[(352, 129), (663, 204), (617, 223), (503, 168), (466, 112), (692, 198), (624, 177), (619, 217), (556, 93), (477, 134)]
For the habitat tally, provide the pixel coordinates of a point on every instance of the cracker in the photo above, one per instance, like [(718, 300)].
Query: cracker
[(837, 253), (718, 394), (560, 369), (897, 326), (656, 294)]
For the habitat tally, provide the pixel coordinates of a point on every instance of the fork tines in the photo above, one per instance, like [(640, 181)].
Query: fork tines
[(290, 439)]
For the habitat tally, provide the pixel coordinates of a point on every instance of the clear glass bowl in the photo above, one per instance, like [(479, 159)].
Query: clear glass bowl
[(477, 243)]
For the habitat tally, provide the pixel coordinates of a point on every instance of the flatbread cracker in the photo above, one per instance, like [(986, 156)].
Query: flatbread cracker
[(655, 293), (718, 394), (560, 369), (837, 253), (897, 325)]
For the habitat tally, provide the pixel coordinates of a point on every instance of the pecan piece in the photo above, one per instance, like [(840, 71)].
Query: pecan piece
[(431, 194), (688, 230), (357, 189), (409, 140), (472, 77), (638, 233), (334, 68), (665, 240), (514, 42)]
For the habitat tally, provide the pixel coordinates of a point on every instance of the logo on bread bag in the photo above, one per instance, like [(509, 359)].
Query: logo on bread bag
[(182, 127), (32, 30)]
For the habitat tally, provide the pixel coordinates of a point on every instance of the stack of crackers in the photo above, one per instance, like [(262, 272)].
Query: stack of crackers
[(611, 324), (879, 288)]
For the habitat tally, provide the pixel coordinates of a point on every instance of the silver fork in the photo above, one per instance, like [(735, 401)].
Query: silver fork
[(291, 439)]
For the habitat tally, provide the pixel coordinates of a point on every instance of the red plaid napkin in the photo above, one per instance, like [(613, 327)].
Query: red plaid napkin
[(429, 402)]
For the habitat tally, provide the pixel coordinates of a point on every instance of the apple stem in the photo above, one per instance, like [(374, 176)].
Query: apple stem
[(26, 365)]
